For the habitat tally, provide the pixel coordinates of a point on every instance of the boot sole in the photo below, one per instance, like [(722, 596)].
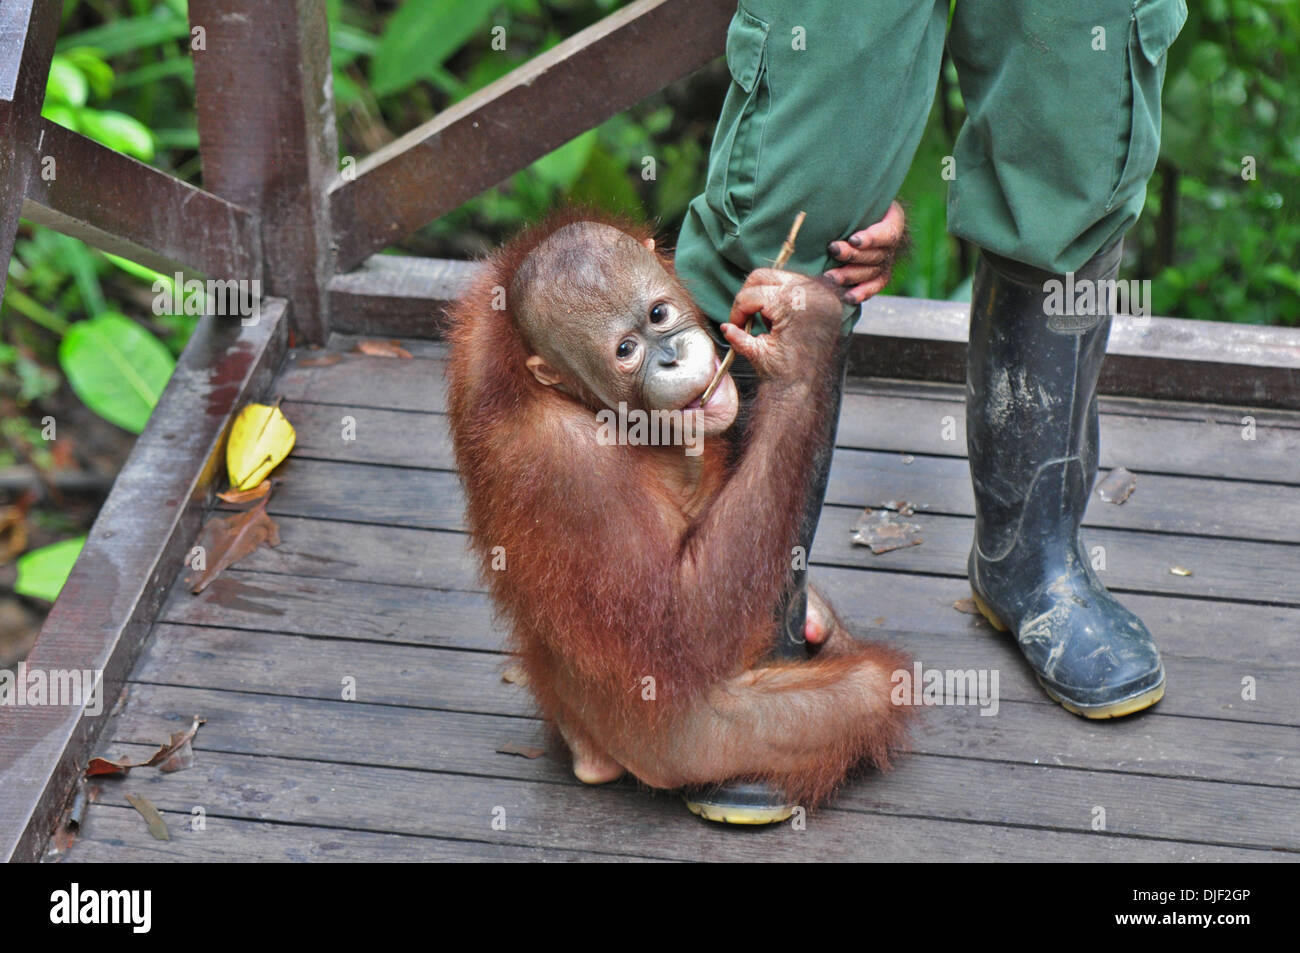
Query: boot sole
[(1119, 709), (735, 814)]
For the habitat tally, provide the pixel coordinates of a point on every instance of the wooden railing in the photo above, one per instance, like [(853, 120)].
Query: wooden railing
[(274, 205)]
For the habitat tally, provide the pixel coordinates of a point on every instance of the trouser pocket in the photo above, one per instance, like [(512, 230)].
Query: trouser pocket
[(738, 141), (1154, 26)]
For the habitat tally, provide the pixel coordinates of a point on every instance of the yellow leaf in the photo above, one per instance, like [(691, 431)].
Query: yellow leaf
[(260, 438)]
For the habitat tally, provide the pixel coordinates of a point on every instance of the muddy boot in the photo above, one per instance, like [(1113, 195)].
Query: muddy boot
[(1031, 431), (753, 802)]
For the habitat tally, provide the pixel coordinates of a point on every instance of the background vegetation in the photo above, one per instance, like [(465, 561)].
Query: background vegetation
[(79, 341)]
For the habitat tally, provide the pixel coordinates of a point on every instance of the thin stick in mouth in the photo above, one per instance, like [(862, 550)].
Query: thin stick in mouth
[(787, 249)]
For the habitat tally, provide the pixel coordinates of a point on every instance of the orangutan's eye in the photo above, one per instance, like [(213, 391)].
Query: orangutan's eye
[(660, 313), (626, 349)]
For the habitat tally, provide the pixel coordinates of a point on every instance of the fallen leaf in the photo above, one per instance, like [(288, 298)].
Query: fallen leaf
[(524, 751), (1118, 486), (260, 438), (102, 766), (1179, 571), (879, 530), (177, 753), (157, 826), (228, 539), (382, 349), (246, 496), (320, 360), (967, 606)]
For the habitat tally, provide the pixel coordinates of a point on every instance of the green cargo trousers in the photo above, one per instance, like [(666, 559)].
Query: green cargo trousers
[(828, 102)]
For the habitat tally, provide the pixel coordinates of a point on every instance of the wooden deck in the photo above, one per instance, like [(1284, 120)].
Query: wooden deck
[(373, 582)]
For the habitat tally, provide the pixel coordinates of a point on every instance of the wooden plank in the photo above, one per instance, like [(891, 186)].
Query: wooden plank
[(415, 743), (111, 834), (277, 153), (473, 144), (95, 195), (28, 29), (406, 496), (609, 820), (876, 585), (314, 667), (257, 660), (388, 736), (359, 380), (304, 606), (1169, 504), (1170, 358), (398, 295), (133, 552), (370, 435), (1227, 570), (1213, 448)]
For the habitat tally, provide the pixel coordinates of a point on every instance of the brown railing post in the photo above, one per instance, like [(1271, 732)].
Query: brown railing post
[(28, 29), (267, 137)]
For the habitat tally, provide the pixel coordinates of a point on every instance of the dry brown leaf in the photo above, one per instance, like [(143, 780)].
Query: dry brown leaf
[(157, 826), (879, 530), (967, 606), (515, 675), (103, 766), (228, 539), (376, 348), (319, 360), (175, 755), (1117, 486), (246, 496), (524, 751)]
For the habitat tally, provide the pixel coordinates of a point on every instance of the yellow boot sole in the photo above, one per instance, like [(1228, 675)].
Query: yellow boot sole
[(740, 815), (1116, 710)]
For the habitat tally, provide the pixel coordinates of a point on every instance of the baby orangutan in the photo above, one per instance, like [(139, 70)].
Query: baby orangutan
[(641, 580)]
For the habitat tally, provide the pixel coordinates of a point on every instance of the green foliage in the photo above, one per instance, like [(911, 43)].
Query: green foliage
[(42, 572), (116, 367)]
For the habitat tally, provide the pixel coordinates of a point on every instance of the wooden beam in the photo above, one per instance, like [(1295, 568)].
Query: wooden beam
[(484, 139), (28, 29), (94, 193), (909, 338), (267, 137), (397, 295), (1170, 358), (134, 550)]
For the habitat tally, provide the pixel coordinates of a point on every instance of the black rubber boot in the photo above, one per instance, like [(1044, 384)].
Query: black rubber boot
[(1032, 435), (752, 802)]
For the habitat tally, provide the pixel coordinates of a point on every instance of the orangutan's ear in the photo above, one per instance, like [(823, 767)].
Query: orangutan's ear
[(649, 243), (544, 373)]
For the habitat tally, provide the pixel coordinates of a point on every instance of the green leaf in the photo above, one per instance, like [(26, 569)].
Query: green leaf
[(420, 37), (66, 84), (91, 63), (561, 168), (42, 572), (116, 367), (118, 131)]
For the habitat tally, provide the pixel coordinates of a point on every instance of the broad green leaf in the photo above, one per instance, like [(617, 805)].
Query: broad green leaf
[(91, 63), (65, 84), (116, 367), (42, 572), (420, 36), (561, 168), (118, 131)]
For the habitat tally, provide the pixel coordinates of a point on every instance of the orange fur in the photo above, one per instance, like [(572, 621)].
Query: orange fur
[(610, 581)]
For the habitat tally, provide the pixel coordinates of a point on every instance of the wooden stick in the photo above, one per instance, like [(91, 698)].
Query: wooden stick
[(787, 249)]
